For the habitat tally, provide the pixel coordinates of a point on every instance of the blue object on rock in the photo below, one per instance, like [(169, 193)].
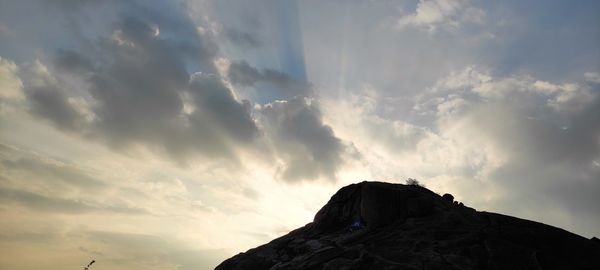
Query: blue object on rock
[(356, 225)]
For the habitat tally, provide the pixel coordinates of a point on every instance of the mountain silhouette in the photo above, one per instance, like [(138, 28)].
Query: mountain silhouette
[(376, 225)]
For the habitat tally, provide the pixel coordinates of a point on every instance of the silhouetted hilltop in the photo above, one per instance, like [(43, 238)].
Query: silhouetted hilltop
[(374, 225)]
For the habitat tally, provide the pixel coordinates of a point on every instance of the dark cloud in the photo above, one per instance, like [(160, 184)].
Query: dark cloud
[(548, 163), (72, 61), (139, 80), (242, 39), (241, 73), (52, 104), (537, 140), (309, 148), (215, 101), (48, 100), (150, 79)]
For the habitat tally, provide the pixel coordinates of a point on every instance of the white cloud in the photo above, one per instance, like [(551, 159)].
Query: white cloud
[(572, 99), (489, 135), (452, 106), (82, 107), (447, 14), (593, 77), (11, 86), (562, 97), (546, 86), (539, 135), (465, 78), (394, 149)]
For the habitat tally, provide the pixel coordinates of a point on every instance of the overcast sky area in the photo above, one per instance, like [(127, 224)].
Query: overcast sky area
[(174, 134)]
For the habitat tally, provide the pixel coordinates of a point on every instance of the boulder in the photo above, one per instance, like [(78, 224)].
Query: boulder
[(448, 197)]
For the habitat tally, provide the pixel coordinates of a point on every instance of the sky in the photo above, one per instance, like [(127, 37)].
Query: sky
[(151, 134)]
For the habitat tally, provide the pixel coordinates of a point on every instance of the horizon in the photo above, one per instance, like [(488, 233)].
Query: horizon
[(175, 134)]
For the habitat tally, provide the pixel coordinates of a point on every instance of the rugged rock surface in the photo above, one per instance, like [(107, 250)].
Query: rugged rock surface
[(373, 225)]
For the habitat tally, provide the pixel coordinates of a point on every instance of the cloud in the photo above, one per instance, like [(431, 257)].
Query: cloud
[(48, 100), (54, 173), (218, 111), (10, 83), (559, 116), (445, 14), (38, 202), (501, 137), (138, 88), (220, 87), (71, 61), (478, 84), (307, 147), (241, 73), (360, 115), (592, 77), (546, 135), (548, 163), (154, 80), (41, 183), (242, 39)]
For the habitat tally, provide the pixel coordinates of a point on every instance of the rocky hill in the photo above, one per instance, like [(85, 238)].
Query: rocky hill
[(374, 225)]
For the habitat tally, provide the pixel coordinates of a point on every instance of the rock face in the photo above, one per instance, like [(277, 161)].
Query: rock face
[(374, 225)]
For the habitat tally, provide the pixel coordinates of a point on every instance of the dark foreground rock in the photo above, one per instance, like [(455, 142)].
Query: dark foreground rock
[(373, 225)]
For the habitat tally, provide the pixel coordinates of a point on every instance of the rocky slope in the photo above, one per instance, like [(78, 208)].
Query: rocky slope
[(374, 225)]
